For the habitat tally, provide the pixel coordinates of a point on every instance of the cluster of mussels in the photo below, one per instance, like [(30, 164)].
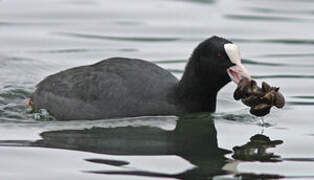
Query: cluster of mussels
[(261, 100)]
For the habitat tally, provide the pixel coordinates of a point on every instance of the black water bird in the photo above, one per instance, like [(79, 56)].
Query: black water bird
[(123, 87)]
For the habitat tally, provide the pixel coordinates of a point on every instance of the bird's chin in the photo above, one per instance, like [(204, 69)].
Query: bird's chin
[(237, 73)]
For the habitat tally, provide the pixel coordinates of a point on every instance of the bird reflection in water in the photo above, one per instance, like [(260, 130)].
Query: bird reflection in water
[(194, 139), (255, 149)]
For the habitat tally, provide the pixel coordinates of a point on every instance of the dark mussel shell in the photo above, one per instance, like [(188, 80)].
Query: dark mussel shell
[(241, 90), (247, 88), (259, 99), (279, 100), (274, 98), (268, 98), (255, 90), (260, 110), (266, 87), (251, 101)]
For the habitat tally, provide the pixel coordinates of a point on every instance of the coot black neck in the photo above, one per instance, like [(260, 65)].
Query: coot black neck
[(198, 92)]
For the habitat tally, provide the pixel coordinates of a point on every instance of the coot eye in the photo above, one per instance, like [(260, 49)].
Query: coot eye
[(219, 55)]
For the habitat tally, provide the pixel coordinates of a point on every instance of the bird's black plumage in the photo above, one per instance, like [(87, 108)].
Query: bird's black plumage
[(123, 87)]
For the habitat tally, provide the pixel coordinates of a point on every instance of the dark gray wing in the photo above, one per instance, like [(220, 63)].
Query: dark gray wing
[(116, 87)]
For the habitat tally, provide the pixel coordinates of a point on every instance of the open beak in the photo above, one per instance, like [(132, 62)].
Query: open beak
[(237, 73)]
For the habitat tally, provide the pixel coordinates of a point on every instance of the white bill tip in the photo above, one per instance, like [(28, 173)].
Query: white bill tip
[(233, 53)]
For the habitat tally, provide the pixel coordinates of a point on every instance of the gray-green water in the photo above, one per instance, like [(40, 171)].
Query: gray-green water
[(38, 38)]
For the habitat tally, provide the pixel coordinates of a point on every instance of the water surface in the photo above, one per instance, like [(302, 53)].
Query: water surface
[(39, 38)]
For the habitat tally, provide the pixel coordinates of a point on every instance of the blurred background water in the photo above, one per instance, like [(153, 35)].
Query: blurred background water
[(38, 38)]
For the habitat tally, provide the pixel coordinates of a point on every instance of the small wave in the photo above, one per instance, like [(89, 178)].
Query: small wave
[(264, 18), (289, 55), (281, 11), (180, 71), (303, 97), (173, 61), (119, 38), (60, 51), (27, 24), (239, 116), (252, 62), (299, 159), (81, 50), (42, 115), (277, 41), (300, 103), (11, 92), (13, 103), (284, 76), (242, 116), (202, 1)]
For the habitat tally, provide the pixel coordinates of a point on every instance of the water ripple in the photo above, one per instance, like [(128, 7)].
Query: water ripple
[(172, 61), (299, 159), (252, 62), (303, 97), (119, 38), (300, 103), (286, 76), (264, 18), (277, 41), (13, 103), (281, 11), (289, 55), (201, 1), (27, 24), (176, 70)]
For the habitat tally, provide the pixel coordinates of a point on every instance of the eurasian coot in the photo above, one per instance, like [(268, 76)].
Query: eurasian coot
[(124, 87)]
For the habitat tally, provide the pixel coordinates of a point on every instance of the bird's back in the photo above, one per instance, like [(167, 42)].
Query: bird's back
[(116, 87)]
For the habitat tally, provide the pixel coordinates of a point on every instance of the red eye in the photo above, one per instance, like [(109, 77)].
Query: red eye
[(219, 55)]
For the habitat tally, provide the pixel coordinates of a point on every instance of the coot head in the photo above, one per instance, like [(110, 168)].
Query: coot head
[(220, 59), (214, 62)]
